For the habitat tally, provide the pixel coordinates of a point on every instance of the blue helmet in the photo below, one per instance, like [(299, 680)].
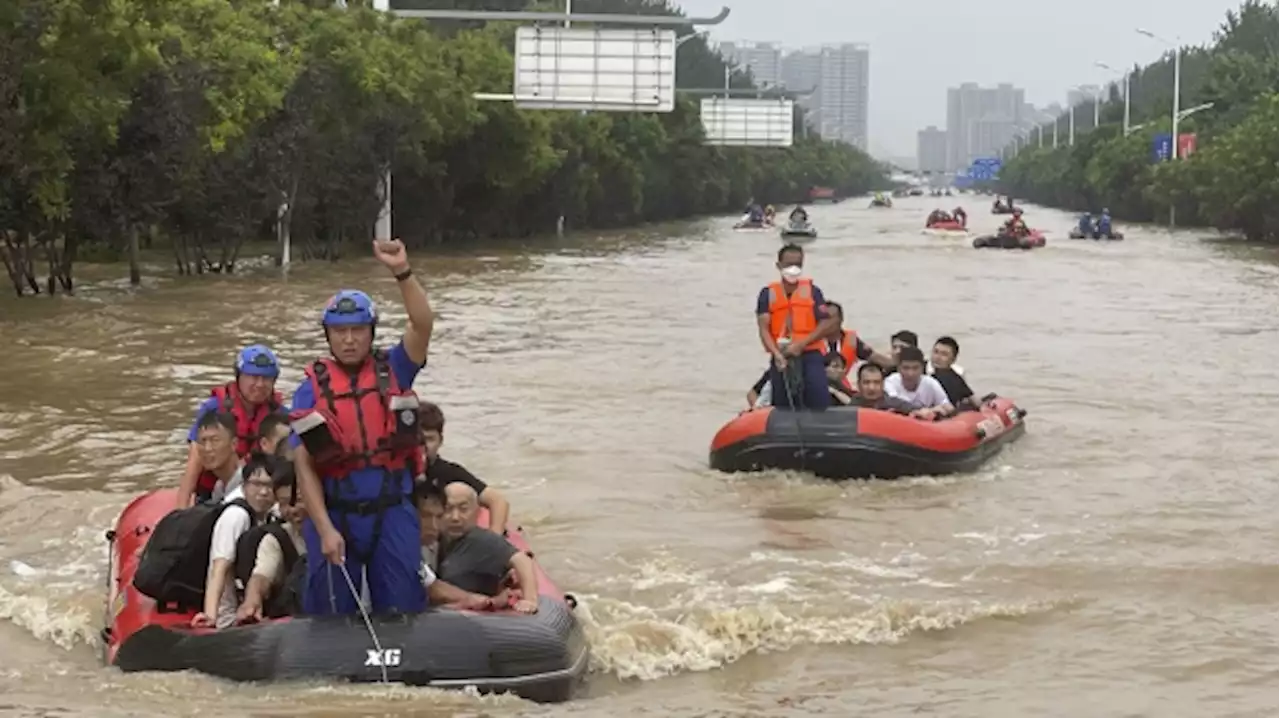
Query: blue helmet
[(349, 307), (257, 360)]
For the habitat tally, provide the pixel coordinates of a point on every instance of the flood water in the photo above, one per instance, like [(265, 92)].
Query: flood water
[(1120, 560)]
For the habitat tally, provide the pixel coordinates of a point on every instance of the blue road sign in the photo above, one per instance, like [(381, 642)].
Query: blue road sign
[(1161, 147), (985, 168)]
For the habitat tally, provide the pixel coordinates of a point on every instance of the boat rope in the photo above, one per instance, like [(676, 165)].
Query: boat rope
[(368, 624), (795, 407)]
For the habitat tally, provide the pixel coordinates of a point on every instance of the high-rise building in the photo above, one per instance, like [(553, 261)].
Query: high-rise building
[(980, 121), (764, 59), (931, 150), (839, 77)]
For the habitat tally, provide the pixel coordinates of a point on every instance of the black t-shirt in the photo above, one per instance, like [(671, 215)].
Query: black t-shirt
[(476, 562), (443, 472), (956, 387)]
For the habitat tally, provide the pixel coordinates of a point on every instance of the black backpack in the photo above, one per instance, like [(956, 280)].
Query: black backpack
[(286, 600), (175, 561)]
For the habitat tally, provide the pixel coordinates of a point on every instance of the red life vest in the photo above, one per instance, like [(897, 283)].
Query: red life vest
[(363, 423), (229, 398)]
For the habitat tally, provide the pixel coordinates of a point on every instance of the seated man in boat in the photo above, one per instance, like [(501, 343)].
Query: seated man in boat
[(920, 391), (430, 503), (793, 323), (273, 440), (250, 397), (241, 514), (477, 561), (942, 367), (769, 214), (270, 560), (849, 345), (442, 472), (960, 216), (871, 391), (215, 447), (799, 216), (1015, 226)]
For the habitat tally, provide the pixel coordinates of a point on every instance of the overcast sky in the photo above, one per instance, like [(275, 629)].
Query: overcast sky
[(919, 48)]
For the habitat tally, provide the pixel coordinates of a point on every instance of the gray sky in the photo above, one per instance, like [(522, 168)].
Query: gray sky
[(919, 48)]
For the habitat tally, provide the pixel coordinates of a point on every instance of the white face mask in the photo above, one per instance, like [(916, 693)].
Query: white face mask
[(792, 273)]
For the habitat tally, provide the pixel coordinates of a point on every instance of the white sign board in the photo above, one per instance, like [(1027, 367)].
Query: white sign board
[(561, 68), (747, 123)]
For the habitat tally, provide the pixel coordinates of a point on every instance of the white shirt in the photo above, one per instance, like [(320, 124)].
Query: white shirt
[(222, 490), (231, 525), (428, 560), (927, 395)]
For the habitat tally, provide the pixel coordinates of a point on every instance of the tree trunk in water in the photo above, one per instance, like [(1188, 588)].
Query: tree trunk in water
[(135, 274)]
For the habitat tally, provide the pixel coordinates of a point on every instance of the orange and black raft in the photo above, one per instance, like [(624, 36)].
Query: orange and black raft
[(852, 443), (541, 657)]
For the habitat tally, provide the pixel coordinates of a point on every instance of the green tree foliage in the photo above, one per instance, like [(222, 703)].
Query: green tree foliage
[(202, 121), (1229, 182)]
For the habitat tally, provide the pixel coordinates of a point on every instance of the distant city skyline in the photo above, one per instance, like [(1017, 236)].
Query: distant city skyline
[(835, 79), (920, 49)]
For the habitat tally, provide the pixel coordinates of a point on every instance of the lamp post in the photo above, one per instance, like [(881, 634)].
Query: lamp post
[(1109, 68), (1177, 89), (1071, 126)]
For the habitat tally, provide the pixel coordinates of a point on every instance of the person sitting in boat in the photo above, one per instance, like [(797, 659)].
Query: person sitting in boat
[(1015, 226), (1085, 226), (799, 216), (837, 383), (361, 518), (755, 214), (270, 561), (477, 561), (793, 321), (215, 447), (220, 601), (250, 397), (871, 392), (945, 371), (960, 216), (429, 500), (920, 391), (441, 472), (900, 340), (1104, 224), (935, 217), (770, 213), (849, 345)]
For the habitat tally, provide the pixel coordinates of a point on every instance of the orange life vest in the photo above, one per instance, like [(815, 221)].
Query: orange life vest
[(366, 425), (248, 420), (793, 317), (848, 348)]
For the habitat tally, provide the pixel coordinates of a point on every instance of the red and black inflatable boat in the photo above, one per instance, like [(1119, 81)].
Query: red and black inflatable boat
[(1034, 238), (541, 657), (852, 443), (949, 225)]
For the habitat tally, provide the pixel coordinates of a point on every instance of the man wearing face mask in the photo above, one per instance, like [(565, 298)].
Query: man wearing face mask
[(793, 321)]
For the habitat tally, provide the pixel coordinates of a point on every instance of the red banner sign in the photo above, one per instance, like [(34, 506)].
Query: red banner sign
[(1186, 144)]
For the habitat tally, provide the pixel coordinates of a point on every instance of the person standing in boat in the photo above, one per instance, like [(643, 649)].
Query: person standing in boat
[(793, 323), (358, 446), (250, 397)]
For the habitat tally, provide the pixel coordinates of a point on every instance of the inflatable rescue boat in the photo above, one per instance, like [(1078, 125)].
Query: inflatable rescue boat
[(853, 443), (541, 657), (1035, 238)]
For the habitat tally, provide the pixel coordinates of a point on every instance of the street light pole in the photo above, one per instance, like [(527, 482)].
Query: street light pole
[(1177, 97), (1071, 127), (1127, 77)]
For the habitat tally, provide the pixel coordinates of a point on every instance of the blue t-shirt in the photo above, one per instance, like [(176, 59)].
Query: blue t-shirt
[(367, 482), (820, 313)]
